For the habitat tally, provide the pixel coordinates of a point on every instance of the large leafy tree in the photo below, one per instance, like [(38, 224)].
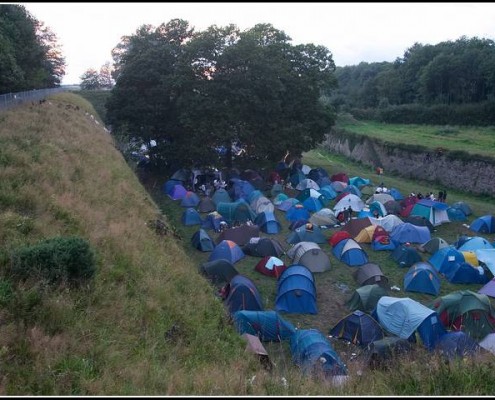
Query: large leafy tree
[(30, 56), (198, 92)]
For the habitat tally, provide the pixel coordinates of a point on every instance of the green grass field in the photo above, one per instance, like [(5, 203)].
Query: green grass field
[(473, 140)]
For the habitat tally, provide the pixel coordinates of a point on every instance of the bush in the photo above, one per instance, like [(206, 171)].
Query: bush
[(59, 259)]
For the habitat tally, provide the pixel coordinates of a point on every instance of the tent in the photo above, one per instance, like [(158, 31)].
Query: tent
[(383, 243), (317, 173), (182, 174), (384, 349), (297, 211), (396, 194), (296, 291), (243, 295), (307, 233), (190, 199), (488, 289), (457, 344), (487, 257), (239, 234), (433, 245), (296, 177), (378, 209), (241, 189), (338, 236), (434, 211), (350, 252), (381, 197), (370, 274), (365, 297), (262, 204), (463, 206), (328, 192), (177, 192), (237, 211), (218, 271), (366, 235), (262, 247), (405, 256), (389, 222), (191, 217), (358, 328), (310, 255), (212, 221), (221, 196), (355, 225), (420, 221), (267, 325), (351, 200), (456, 214), (307, 183), (202, 241), (467, 311), (410, 233), (169, 185), (314, 354), (297, 224), (392, 207), (444, 259), (323, 217), (340, 176), (287, 204), (338, 186), (464, 272), (312, 205), (270, 266), (206, 205), (484, 224), (267, 222), (359, 181), (228, 250), (404, 317), (277, 190), (353, 190), (488, 343), (422, 278), (475, 243), (279, 198)]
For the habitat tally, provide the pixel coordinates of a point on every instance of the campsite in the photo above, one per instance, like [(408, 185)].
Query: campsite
[(350, 256)]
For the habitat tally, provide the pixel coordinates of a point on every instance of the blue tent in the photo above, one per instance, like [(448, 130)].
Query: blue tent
[(267, 222), (296, 177), (463, 206), (408, 232), (177, 192), (242, 189), (358, 328), (267, 325), (227, 250), (475, 243), (328, 192), (297, 211), (287, 204), (456, 214), (212, 221), (396, 194), (457, 344), (317, 173), (169, 185), (296, 291), (202, 241), (445, 258), (190, 199), (423, 278), (243, 295), (312, 204), (191, 217), (462, 272), (350, 252), (484, 224), (297, 224), (312, 351), (405, 256), (218, 271), (255, 194), (358, 181), (404, 317)]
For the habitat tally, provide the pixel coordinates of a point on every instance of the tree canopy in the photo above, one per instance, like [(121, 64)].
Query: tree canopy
[(30, 56), (198, 93)]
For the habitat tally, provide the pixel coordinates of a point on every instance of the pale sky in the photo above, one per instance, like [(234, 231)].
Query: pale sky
[(353, 32)]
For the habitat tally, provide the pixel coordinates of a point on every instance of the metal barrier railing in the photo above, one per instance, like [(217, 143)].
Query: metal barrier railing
[(12, 99)]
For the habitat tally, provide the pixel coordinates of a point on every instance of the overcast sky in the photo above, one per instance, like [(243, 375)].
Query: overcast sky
[(353, 32)]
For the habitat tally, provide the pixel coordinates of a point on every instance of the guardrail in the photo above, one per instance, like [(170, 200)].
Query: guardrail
[(13, 99)]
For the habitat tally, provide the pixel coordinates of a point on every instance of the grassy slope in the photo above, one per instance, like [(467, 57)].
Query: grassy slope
[(149, 324), (474, 140)]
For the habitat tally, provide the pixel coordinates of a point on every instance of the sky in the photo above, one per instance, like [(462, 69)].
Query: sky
[(353, 32)]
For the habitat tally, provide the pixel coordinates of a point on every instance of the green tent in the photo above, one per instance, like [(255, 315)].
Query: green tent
[(365, 298)]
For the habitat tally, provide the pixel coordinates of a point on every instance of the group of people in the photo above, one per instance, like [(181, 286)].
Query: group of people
[(442, 196)]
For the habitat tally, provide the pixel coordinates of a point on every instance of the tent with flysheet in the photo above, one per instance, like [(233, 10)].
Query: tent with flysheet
[(202, 241), (310, 255), (228, 250), (268, 325), (358, 328), (270, 266), (296, 291), (350, 252), (365, 298), (422, 278)]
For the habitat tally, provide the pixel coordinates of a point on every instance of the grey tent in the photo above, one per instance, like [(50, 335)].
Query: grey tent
[(433, 245), (239, 234), (218, 271), (324, 217), (369, 274), (206, 205), (202, 241), (261, 247), (310, 255), (365, 298)]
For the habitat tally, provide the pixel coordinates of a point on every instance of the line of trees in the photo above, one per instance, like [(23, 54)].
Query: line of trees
[(30, 55), (199, 93), (448, 73), (92, 79)]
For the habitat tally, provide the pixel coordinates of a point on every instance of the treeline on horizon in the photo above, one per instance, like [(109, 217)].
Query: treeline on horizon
[(452, 82), (30, 56)]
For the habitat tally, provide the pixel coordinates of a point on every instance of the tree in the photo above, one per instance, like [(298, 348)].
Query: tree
[(214, 89), (105, 77), (30, 56), (90, 80)]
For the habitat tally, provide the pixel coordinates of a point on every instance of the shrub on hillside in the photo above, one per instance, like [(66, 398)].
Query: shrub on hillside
[(59, 259)]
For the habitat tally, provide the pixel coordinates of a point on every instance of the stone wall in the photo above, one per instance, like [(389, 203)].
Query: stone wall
[(476, 176)]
